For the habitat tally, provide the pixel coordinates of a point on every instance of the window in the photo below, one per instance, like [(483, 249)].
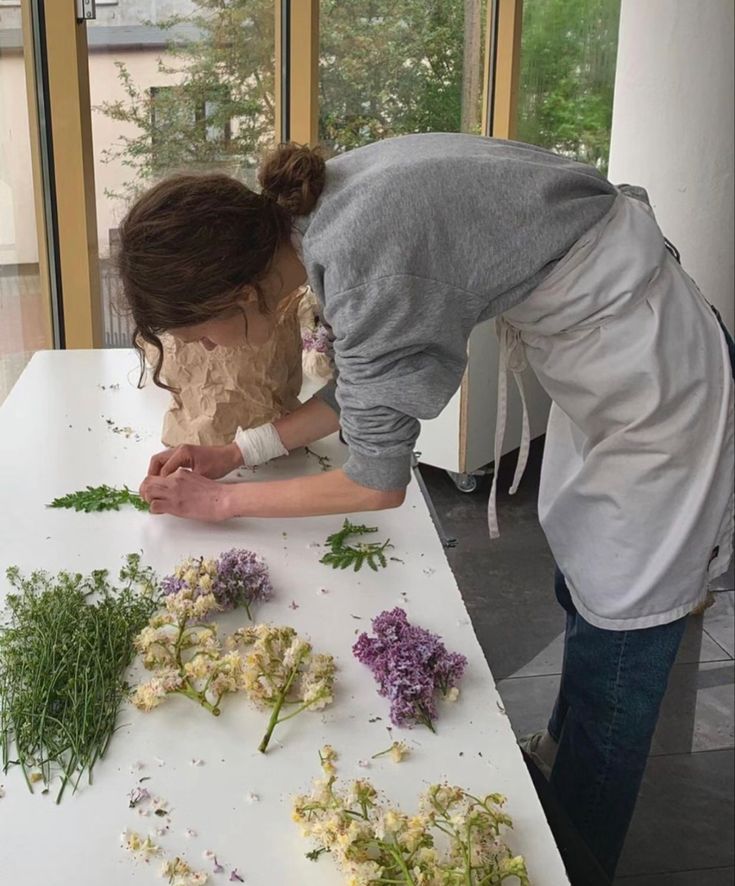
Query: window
[(388, 68), (185, 125), (194, 91), (568, 55), (24, 315)]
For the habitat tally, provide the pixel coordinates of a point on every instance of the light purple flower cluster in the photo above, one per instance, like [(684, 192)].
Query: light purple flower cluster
[(317, 339), (172, 584), (238, 578), (242, 579), (410, 664)]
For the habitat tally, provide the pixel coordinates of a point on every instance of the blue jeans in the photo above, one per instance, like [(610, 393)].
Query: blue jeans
[(611, 689)]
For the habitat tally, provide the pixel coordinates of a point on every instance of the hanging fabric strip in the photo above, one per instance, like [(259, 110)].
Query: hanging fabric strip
[(511, 357)]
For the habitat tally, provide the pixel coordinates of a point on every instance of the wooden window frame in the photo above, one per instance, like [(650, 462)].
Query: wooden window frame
[(37, 100), (297, 71), (76, 265), (68, 192)]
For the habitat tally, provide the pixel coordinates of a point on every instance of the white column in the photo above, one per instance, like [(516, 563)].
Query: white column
[(672, 129)]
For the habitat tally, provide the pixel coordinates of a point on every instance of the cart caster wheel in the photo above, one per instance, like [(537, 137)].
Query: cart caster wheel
[(463, 482)]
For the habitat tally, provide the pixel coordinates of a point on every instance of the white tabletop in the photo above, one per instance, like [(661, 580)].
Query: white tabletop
[(54, 439)]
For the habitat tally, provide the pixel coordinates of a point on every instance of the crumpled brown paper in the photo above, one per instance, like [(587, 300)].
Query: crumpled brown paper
[(227, 388)]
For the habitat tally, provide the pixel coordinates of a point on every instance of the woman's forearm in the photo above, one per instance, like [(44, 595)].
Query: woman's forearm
[(332, 492), (312, 421)]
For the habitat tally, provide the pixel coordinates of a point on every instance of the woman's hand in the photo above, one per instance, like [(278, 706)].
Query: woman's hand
[(207, 461), (187, 494)]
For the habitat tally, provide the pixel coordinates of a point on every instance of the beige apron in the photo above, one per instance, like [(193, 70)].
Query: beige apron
[(636, 495)]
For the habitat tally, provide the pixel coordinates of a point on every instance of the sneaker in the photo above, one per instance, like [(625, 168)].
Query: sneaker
[(541, 748)]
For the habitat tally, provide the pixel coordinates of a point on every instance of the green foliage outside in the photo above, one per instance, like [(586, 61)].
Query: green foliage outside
[(568, 54), (391, 68), (386, 68)]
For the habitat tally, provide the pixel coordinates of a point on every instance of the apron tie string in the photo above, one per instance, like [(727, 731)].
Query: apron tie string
[(512, 357)]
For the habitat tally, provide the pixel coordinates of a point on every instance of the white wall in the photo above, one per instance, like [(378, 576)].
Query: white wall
[(672, 129), (18, 243)]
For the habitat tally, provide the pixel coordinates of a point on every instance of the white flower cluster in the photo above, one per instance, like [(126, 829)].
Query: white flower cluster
[(185, 655), (272, 665), (276, 656), (373, 843)]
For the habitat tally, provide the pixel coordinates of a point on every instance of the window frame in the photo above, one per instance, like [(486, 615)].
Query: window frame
[(74, 263)]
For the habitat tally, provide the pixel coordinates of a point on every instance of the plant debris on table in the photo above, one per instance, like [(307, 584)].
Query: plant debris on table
[(100, 498), (65, 643), (341, 555), (324, 463), (125, 431)]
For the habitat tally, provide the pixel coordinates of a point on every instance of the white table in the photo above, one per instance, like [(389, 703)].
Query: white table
[(54, 440)]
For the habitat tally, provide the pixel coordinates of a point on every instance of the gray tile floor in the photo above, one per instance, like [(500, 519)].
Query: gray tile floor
[(682, 831)]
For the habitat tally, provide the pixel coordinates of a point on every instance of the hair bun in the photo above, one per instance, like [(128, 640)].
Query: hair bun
[(293, 175)]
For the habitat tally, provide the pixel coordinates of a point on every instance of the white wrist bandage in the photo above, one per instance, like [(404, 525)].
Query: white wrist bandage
[(259, 445)]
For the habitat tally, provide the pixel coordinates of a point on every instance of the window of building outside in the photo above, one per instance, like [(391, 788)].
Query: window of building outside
[(176, 124), (24, 316), (175, 85)]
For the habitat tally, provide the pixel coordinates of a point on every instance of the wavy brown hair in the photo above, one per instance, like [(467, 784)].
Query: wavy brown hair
[(191, 245)]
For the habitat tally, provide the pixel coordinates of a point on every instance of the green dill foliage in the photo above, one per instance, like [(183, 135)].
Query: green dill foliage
[(100, 498), (65, 643), (342, 555)]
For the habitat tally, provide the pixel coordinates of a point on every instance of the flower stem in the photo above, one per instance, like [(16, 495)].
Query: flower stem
[(200, 699), (273, 722), (395, 851)]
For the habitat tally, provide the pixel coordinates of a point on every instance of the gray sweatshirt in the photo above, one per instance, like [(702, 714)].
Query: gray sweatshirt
[(413, 241)]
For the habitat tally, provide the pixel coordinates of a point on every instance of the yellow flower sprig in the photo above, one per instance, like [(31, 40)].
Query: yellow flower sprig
[(374, 844), (185, 654), (273, 666), (282, 672)]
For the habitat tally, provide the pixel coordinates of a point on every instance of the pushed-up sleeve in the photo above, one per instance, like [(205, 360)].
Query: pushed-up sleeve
[(400, 350)]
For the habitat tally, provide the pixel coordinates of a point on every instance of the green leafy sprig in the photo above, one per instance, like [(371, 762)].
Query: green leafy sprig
[(342, 555), (65, 643), (100, 498), (324, 463)]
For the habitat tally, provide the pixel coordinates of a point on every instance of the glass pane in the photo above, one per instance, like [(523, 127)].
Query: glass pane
[(24, 316), (568, 54), (389, 67), (175, 85)]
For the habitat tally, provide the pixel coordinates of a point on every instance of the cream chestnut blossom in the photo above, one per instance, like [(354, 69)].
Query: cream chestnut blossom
[(454, 840), (273, 666)]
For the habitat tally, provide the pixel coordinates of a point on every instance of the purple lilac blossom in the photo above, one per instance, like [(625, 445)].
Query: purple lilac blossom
[(316, 340), (242, 578), (170, 584), (409, 664)]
